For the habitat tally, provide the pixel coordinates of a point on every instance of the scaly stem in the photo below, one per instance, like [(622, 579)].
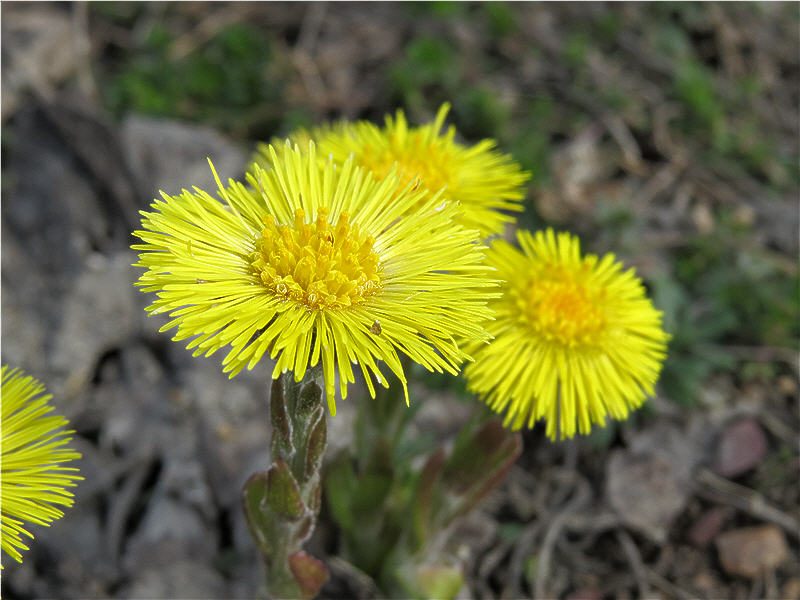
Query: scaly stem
[(282, 503)]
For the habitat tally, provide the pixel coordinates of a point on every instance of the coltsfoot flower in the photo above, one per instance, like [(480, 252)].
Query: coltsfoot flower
[(483, 180), (311, 263), (32, 457), (576, 338)]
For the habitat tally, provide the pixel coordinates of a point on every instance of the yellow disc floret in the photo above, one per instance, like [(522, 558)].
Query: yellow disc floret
[(564, 307), (317, 264), (484, 182), (419, 157), (576, 339)]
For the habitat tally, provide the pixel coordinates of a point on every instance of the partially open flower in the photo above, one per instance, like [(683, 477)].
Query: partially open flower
[(483, 180), (576, 338), (34, 450), (311, 264)]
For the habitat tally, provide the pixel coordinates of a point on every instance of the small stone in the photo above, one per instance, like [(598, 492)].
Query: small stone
[(752, 551), (180, 578), (744, 215), (791, 589), (741, 447), (98, 314), (703, 218), (585, 594), (170, 155), (646, 491), (787, 385), (705, 583), (706, 528)]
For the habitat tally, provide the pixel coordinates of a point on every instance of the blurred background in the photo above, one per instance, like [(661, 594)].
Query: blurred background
[(666, 133)]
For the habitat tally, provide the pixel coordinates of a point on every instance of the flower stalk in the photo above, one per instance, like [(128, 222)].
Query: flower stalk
[(283, 502), (395, 518)]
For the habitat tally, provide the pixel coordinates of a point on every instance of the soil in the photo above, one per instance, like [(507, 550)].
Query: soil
[(681, 501)]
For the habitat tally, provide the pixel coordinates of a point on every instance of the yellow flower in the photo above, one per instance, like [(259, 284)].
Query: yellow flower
[(311, 264), (483, 180), (576, 338), (34, 449)]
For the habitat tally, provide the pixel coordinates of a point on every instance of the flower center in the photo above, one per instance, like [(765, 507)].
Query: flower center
[(416, 157), (565, 310), (317, 264)]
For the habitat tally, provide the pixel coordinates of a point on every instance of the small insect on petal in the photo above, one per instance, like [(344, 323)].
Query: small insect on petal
[(376, 328)]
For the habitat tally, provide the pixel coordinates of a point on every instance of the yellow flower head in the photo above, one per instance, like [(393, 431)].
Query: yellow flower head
[(483, 180), (33, 452), (311, 264), (576, 338)]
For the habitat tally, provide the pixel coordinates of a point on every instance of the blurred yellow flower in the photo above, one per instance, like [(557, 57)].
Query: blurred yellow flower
[(482, 180), (34, 449), (576, 338), (311, 263)]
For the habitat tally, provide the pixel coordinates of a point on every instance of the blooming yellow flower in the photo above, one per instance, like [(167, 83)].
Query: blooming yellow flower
[(310, 263), (33, 452), (576, 338), (483, 180)]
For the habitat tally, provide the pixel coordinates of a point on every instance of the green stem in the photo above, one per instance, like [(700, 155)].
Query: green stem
[(380, 424), (374, 478), (282, 503)]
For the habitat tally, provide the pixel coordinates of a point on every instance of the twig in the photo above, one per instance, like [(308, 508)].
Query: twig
[(570, 455), (771, 584), (522, 550), (722, 193), (552, 498), (635, 560), (616, 127), (123, 504), (666, 586), (728, 39), (302, 53), (778, 427), (578, 560), (720, 490), (205, 31), (631, 153), (104, 484), (362, 580), (658, 183), (662, 133), (594, 523), (759, 354), (489, 563), (311, 26), (757, 590), (581, 496), (83, 48)]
